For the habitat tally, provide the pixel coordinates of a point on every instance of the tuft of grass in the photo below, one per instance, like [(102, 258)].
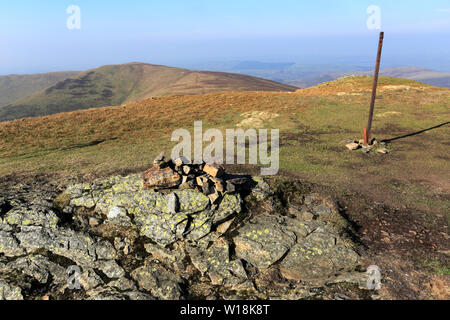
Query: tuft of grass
[(438, 267)]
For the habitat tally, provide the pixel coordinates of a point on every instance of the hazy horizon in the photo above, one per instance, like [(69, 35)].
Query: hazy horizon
[(36, 38)]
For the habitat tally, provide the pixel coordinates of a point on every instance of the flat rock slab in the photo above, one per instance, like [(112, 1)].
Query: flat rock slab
[(263, 241), (320, 255)]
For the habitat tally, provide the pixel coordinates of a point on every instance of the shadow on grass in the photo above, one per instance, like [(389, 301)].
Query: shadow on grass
[(89, 144), (415, 133)]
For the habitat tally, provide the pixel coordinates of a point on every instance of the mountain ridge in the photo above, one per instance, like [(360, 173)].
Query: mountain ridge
[(117, 84)]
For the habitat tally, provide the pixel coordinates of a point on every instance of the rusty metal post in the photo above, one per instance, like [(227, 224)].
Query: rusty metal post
[(367, 130)]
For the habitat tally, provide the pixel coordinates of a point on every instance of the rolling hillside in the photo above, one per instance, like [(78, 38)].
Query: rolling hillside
[(15, 86), (118, 84)]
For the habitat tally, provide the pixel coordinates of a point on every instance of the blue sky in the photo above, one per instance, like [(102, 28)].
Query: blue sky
[(34, 36)]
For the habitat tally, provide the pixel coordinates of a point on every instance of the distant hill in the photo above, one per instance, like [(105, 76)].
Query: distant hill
[(430, 77), (308, 75), (118, 84), (15, 86)]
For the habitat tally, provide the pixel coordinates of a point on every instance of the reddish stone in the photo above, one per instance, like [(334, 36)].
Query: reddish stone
[(156, 178), (213, 170)]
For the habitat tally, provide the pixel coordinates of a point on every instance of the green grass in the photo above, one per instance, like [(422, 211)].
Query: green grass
[(438, 267)]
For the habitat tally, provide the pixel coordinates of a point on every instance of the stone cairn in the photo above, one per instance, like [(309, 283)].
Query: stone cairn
[(379, 147), (181, 173)]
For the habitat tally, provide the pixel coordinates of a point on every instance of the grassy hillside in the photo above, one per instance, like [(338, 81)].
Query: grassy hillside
[(118, 84), (312, 124), (13, 87)]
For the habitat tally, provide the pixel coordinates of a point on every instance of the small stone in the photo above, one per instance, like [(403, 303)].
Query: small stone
[(173, 204), (220, 187), (353, 146), (222, 228), (214, 197), (201, 180), (213, 170), (181, 161), (208, 187), (383, 150), (93, 222), (116, 212), (187, 170)]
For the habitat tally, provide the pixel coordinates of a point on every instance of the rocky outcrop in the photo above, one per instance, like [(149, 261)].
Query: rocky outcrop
[(118, 239)]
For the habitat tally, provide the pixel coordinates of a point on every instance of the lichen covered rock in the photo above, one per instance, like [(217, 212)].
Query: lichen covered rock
[(263, 241), (129, 242)]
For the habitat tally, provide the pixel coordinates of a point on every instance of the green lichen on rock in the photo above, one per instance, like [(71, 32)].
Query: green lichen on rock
[(150, 210), (263, 241), (261, 190), (320, 255), (217, 264), (9, 292), (32, 216), (158, 280)]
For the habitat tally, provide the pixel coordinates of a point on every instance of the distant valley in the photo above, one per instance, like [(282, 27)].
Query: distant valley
[(309, 75)]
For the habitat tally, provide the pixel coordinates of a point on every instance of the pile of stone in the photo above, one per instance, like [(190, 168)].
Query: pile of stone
[(181, 173), (366, 148)]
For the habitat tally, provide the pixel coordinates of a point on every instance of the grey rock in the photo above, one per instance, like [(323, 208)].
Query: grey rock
[(172, 203), (37, 267), (216, 263), (9, 292), (81, 248), (9, 245), (263, 241), (110, 268), (262, 189), (320, 255), (162, 283)]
